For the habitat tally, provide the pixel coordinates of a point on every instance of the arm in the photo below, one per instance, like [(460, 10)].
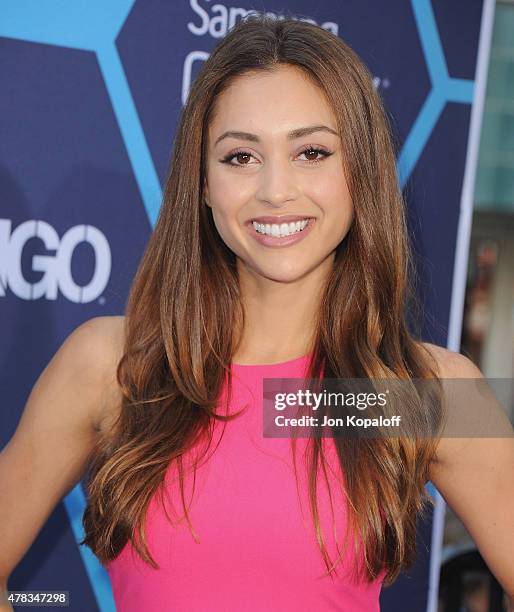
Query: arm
[(48, 453), (476, 478)]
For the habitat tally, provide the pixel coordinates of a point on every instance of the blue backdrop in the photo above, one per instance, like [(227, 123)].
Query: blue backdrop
[(90, 96)]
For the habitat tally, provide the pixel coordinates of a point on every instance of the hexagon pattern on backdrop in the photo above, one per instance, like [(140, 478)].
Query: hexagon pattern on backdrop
[(91, 93)]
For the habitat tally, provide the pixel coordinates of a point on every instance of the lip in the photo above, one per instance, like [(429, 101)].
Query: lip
[(273, 241), (278, 219)]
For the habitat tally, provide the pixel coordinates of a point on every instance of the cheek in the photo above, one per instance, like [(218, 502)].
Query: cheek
[(333, 197), (225, 216), (228, 197), (226, 193)]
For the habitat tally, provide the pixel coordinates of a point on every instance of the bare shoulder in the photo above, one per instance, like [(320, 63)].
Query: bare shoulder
[(106, 332), (100, 342), (57, 432), (450, 364)]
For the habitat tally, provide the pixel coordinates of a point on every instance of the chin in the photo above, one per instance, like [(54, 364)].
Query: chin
[(282, 276)]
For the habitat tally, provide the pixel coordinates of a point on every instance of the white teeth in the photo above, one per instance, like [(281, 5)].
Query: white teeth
[(278, 231)]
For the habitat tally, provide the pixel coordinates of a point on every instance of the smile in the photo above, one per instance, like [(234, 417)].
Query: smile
[(284, 229), (280, 234)]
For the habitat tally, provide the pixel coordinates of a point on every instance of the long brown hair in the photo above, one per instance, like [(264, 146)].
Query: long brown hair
[(185, 303)]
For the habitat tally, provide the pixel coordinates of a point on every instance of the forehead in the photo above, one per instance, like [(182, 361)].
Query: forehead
[(279, 100)]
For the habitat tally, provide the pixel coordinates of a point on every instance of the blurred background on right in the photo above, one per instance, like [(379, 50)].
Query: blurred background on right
[(466, 584)]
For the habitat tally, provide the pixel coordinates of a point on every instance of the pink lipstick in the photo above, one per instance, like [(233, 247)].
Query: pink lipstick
[(267, 230)]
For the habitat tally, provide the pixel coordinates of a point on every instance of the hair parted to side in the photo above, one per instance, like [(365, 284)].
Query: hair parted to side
[(185, 302)]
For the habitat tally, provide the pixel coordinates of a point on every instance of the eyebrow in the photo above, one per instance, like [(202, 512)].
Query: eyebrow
[(297, 133)]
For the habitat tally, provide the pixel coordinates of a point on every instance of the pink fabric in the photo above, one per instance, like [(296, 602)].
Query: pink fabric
[(258, 550)]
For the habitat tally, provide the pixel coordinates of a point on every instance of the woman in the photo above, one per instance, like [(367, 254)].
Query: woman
[(280, 250)]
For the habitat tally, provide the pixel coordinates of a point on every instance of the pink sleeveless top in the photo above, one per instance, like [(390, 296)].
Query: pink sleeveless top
[(257, 549)]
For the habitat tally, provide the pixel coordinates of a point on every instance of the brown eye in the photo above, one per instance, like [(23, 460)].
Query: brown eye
[(313, 153), (241, 157)]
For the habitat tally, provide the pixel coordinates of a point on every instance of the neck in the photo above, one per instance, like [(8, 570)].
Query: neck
[(280, 317)]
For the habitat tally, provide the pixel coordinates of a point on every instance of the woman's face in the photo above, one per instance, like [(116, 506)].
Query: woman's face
[(257, 170)]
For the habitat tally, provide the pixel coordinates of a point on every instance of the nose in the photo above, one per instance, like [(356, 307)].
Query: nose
[(277, 183)]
